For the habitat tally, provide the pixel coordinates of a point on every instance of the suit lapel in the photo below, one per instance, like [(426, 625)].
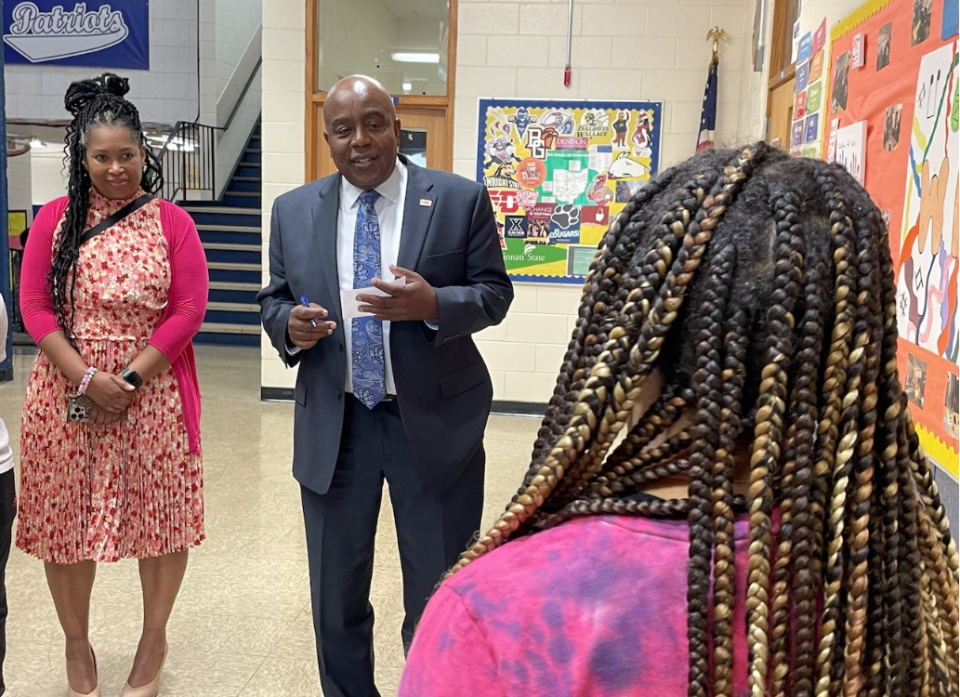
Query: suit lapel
[(417, 211), (325, 210)]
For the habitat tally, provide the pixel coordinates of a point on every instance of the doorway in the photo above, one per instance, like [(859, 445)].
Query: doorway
[(423, 140), (783, 69), (781, 114), (414, 55)]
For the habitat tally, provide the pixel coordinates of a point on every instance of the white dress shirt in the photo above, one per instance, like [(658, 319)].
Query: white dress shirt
[(389, 208)]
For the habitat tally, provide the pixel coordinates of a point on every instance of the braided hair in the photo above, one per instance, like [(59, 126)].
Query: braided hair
[(760, 288), (93, 103)]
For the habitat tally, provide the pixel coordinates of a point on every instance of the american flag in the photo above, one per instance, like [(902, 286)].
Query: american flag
[(708, 117)]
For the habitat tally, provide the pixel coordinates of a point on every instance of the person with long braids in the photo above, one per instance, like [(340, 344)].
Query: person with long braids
[(727, 496), (114, 288)]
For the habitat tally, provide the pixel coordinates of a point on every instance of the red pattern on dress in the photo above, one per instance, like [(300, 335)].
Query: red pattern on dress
[(127, 490)]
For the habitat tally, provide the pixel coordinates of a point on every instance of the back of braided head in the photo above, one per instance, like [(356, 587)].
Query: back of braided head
[(93, 103), (760, 288)]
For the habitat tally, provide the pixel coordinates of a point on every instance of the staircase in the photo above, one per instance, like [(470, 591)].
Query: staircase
[(230, 232)]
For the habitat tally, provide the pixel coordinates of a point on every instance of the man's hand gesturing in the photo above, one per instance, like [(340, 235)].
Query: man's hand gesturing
[(306, 326)]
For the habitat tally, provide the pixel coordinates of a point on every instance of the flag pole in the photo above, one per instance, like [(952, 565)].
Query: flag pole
[(708, 116), (716, 35)]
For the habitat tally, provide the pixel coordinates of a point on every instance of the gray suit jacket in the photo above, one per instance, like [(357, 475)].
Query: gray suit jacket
[(444, 389)]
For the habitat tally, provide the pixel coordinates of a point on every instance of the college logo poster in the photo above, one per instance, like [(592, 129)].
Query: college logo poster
[(558, 172), (113, 34)]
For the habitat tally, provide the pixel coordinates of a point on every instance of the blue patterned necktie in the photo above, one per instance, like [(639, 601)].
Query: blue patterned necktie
[(369, 370)]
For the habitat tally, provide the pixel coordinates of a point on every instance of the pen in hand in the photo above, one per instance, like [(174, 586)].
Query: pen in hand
[(306, 303)]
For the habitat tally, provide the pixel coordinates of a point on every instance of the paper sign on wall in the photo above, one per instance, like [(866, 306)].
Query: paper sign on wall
[(796, 42), (800, 105), (857, 58), (803, 76), (812, 128), (806, 48), (814, 97), (832, 143), (820, 36), (852, 149), (816, 67), (797, 135)]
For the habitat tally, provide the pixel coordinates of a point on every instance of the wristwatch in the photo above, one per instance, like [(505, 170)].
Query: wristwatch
[(132, 378)]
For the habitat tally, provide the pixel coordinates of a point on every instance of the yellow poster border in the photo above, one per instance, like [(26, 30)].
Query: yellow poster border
[(856, 18), (939, 451)]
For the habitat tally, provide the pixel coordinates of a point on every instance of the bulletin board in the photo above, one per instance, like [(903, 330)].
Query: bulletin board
[(558, 172), (893, 120), (809, 101)]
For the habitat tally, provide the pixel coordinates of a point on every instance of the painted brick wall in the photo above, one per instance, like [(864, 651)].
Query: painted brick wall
[(644, 49), (282, 133), (19, 184)]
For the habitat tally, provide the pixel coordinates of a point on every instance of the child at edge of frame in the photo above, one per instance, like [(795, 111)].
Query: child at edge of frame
[(8, 505)]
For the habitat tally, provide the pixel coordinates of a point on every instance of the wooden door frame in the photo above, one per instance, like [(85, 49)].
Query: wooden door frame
[(781, 29), (313, 107)]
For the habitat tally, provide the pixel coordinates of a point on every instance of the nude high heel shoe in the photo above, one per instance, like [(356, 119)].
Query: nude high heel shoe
[(152, 688), (96, 691)]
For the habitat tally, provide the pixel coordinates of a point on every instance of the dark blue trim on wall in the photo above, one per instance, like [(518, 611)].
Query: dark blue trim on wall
[(6, 367)]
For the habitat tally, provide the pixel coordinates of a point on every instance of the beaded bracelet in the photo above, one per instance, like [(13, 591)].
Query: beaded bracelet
[(85, 383)]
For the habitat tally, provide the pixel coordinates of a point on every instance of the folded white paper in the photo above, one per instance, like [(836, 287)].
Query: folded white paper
[(349, 304)]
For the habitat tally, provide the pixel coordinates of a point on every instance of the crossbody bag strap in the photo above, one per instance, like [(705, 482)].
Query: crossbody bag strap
[(116, 217)]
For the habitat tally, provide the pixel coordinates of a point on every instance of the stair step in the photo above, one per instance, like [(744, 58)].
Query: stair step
[(233, 292), (229, 221), (255, 151), (233, 307), (230, 228), (244, 163), (230, 296), (233, 266), (233, 285), (250, 341), (233, 254), (246, 173), (218, 328), (225, 210), (251, 199), (231, 247)]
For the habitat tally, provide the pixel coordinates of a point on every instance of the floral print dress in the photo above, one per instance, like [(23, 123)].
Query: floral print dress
[(129, 489)]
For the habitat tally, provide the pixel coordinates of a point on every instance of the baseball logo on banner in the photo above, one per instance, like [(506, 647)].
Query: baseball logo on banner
[(54, 32)]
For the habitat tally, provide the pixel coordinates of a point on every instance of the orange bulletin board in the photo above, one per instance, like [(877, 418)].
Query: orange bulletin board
[(894, 66)]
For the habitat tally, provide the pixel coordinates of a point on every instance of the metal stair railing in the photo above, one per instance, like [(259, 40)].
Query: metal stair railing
[(189, 160)]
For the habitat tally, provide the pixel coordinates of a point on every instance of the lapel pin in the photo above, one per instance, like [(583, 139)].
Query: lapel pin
[(426, 202)]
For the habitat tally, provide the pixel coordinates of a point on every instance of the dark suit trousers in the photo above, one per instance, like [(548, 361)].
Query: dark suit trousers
[(433, 527), (8, 511)]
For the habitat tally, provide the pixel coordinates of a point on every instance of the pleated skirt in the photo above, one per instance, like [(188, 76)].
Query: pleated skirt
[(131, 489)]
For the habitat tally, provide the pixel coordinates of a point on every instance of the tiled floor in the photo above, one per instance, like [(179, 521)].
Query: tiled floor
[(242, 624)]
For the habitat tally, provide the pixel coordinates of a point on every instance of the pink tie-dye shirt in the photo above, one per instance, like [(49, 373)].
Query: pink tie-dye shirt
[(593, 608)]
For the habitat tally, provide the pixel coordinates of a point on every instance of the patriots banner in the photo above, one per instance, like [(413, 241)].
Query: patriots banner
[(101, 33), (708, 117)]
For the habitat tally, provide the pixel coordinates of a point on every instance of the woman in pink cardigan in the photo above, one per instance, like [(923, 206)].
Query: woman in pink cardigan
[(114, 288)]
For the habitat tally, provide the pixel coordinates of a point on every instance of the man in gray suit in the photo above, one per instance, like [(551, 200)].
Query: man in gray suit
[(403, 395)]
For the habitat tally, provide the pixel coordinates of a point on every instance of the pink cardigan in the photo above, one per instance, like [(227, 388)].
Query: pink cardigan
[(186, 303)]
